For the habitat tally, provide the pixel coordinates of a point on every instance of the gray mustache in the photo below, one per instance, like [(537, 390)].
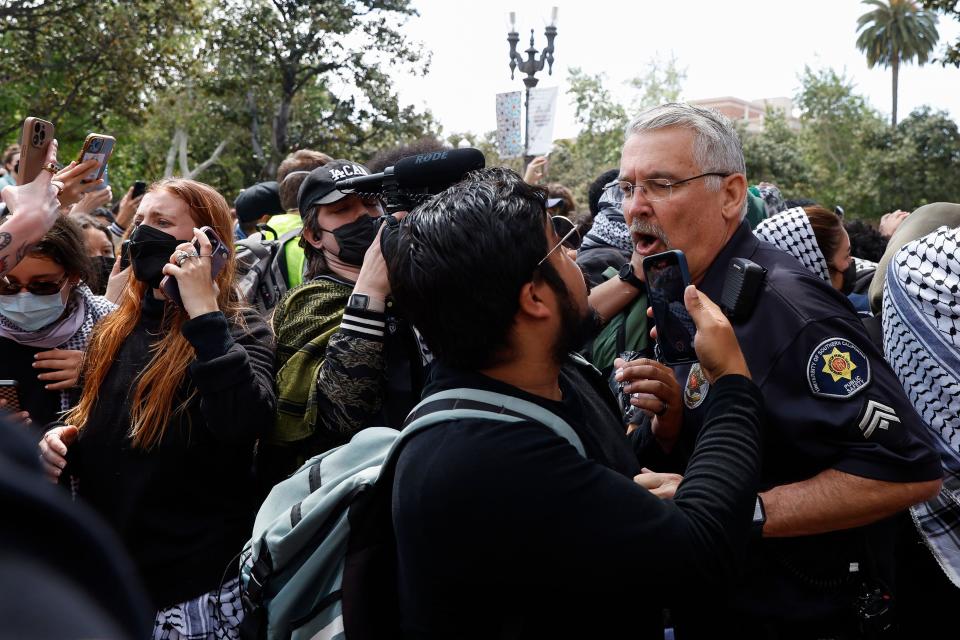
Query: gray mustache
[(648, 229)]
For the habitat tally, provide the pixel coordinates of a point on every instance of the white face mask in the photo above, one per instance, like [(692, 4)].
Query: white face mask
[(32, 312)]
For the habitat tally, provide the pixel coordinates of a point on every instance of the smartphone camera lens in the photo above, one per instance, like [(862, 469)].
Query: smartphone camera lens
[(37, 127), (36, 140), (95, 145)]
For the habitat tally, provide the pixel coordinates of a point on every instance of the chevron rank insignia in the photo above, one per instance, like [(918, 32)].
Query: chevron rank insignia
[(837, 368), (877, 416)]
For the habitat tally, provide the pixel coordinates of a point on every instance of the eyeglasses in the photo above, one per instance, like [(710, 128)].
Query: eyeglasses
[(8, 288), (571, 240), (654, 189)]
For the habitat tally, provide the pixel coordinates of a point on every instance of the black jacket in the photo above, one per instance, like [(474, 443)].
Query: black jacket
[(504, 530), (184, 508)]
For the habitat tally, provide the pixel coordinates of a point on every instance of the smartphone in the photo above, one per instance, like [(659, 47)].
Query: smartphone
[(124, 254), (35, 139), (8, 392), (139, 188), (97, 146), (218, 260), (667, 277)]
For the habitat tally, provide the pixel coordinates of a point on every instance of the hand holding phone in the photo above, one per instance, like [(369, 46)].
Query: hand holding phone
[(35, 138), (667, 277), (98, 147), (9, 396), (190, 284), (716, 343)]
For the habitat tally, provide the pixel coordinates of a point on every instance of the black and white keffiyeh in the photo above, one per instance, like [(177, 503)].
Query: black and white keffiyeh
[(609, 226), (921, 335), (792, 232), (82, 303), (216, 615)]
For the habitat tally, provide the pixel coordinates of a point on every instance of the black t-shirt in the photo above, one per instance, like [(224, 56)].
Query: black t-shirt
[(504, 530)]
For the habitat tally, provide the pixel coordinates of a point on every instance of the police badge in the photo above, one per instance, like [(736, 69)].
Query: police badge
[(695, 391)]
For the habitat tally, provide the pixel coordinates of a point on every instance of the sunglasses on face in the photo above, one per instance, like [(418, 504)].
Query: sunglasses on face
[(12, 288), (568, 231), (569, 236)]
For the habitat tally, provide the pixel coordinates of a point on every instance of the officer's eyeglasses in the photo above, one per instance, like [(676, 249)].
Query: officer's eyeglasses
[(654, 189), (570, 238)]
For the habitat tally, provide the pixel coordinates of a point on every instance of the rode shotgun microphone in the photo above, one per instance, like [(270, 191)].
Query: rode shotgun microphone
[(415, 177)]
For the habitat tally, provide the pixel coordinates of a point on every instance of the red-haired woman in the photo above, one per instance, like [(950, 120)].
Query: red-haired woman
[(173, 403)]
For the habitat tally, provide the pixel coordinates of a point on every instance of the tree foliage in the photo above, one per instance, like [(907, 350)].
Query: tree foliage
[(225, 87), (896, 32), (950, 9), (317, 74), (844, 154)]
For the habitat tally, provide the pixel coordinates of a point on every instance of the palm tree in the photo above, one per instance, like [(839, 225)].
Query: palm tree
[(896, 32)]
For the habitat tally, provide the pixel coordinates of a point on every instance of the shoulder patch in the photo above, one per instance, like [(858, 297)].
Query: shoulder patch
[(837, 369), (696, 389)]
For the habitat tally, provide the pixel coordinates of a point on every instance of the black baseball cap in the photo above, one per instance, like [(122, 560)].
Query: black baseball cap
[(320, 186), (261, 199)]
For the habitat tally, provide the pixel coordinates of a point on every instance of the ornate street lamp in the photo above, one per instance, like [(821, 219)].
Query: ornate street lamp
[(530, 66)]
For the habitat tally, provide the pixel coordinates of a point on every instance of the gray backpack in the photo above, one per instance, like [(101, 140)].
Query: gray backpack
[(260, 277), (322, 560)]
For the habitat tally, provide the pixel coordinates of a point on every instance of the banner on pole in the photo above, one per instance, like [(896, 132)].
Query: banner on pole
[(509, 141), (543, 109)]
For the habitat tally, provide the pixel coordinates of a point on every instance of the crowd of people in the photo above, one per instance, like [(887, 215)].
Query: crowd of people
[(801, 479)]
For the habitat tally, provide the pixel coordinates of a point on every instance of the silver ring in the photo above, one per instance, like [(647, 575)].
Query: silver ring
[(182, 257)]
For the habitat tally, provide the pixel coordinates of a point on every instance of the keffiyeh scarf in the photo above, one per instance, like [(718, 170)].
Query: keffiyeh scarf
[(792, 232), (84, 309), (921, 335), (609, 226)]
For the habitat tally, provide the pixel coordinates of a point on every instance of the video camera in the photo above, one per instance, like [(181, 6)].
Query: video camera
[(415, 178)]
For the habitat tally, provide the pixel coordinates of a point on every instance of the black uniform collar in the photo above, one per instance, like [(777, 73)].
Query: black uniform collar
[(741, 244)]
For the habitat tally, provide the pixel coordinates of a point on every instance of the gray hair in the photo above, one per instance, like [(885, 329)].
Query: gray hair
[(716, 145)]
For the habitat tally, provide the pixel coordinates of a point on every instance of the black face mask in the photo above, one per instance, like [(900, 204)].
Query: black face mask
[(150, 249), (849, 279), (354, 239)]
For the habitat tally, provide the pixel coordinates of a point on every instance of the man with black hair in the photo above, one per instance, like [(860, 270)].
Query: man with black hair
[(503, 528)]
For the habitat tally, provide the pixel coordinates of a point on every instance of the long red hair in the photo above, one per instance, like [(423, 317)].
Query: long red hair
[(155, 388)]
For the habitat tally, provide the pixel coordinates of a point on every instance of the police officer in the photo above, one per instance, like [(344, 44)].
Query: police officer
[(844, 449)]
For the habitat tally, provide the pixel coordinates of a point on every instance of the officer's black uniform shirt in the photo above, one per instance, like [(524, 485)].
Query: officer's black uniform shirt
[(832, 402)]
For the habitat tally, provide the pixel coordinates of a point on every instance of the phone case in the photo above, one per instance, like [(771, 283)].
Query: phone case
[(8, 392), (97, 146), (666, 353), (124, 254), (35, 139), (218, 261)]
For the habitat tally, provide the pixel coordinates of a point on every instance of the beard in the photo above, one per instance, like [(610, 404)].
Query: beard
[(576, 327)]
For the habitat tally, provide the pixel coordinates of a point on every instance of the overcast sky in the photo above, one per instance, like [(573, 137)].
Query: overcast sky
[(744, 48)]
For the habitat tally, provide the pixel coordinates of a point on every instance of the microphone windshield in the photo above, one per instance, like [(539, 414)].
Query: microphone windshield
[(439, 169)]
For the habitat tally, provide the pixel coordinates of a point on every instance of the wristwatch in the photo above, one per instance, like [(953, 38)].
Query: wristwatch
[(358, 302), (363, 302), (759, 518), (626, 275)]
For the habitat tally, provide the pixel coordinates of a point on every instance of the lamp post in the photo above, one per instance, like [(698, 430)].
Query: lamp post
[(530, 66)]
